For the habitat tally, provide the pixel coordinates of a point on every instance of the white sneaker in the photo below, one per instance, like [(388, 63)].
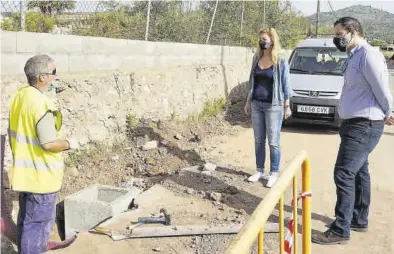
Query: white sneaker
[(257, 176), (272, 180)]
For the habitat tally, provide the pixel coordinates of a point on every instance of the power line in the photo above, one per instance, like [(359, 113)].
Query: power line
[(332, 9)]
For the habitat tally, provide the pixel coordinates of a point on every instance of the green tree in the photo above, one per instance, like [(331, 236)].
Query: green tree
[(35, 22), (51, 7)]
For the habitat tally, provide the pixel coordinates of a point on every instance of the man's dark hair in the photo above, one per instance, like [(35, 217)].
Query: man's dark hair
[(351, 25)]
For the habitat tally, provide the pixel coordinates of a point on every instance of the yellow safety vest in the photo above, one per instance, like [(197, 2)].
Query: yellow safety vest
[(34, 169)]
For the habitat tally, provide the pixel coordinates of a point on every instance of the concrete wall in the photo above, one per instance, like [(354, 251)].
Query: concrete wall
[(79, 53), (107, 79)]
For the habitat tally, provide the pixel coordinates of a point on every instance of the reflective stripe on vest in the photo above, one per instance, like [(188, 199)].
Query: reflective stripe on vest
[(23, 139), (38, 165)]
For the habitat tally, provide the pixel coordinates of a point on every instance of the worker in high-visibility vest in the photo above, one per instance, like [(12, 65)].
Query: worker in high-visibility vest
[(37, 169)]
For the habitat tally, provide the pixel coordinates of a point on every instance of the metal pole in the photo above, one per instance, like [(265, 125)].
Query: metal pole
[(263, 13), (213, 18), (147, 21), (317, 17), (306, 207), (242, 21), (22, 12)]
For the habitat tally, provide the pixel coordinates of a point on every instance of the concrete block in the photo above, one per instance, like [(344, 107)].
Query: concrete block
[(15, 63), (48, 43), (94, 204), (94, 62), (8, 42), (95, 45)]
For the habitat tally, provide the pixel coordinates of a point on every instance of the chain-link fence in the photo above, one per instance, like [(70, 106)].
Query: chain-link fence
[(213, 22)]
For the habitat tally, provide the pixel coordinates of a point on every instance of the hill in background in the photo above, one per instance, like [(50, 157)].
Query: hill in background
[(377, 24)]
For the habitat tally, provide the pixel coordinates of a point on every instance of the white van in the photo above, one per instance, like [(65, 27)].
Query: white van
[(316, 75)]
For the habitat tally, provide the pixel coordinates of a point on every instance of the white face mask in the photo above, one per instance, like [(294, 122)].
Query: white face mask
[(52, 86)]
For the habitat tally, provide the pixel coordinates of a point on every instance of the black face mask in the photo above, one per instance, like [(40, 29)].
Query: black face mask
[(341, 43), (264, 44)]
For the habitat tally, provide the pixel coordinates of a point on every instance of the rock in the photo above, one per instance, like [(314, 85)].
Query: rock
[(115, 158), (209, 167), (73, 171), (163, 151), (164, 142), (127, 148), (150, 145), (156, 249), (79, 167), (241, 211), (217, 203), (207, 173), (207, 181), (127, 184), (202, 193), (215, 196), (89, 175), (231, 190), (149, 161), (178, 136), (189, 191)]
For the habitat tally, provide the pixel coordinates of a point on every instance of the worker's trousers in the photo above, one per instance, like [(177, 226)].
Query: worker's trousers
[(37, 213)]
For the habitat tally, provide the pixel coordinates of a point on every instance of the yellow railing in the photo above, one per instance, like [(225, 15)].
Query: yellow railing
[(255, 225)]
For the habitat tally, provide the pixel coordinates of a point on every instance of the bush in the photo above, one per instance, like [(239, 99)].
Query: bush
[(115, 24), (34, 22)]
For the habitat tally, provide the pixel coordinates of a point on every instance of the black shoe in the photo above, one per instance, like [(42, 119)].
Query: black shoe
[(358, 228), (328, 238)]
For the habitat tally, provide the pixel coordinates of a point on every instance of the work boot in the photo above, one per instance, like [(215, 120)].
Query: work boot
[(329, 238)]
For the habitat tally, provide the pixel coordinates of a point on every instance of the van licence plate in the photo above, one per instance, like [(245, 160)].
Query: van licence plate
[(313, 109)]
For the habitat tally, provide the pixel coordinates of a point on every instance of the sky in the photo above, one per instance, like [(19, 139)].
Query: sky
[(309, 7)]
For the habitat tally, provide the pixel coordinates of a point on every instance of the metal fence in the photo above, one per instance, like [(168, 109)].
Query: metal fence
[(212, 22)]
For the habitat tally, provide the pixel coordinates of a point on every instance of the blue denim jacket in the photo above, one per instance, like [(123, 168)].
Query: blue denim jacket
[(282, 89)]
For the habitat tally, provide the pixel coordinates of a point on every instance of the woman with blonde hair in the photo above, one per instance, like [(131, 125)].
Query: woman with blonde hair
[(268, 102)]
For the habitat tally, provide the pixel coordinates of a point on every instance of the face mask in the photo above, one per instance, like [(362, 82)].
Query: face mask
[(341, 43), (52, 86), (264, 44)]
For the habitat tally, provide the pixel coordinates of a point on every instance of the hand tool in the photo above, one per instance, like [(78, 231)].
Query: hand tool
[(164, 219)]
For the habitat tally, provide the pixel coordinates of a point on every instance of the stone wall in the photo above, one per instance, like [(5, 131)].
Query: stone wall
[(106, 80)]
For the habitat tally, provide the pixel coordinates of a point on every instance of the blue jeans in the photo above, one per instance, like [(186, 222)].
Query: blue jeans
[(37, 213), (351, 174), (267, 122)]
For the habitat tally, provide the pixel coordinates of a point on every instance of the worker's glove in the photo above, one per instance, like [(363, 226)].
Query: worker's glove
[(74, 145)]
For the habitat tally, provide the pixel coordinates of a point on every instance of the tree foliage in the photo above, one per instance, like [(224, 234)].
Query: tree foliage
[(236, 23), (34, 22), (51, 7)]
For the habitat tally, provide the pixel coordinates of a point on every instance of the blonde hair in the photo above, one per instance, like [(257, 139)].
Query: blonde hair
[(276, 48)]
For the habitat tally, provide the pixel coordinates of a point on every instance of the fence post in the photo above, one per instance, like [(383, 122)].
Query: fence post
[(242, 21), (147, 21), (22, 12), (213, 18)]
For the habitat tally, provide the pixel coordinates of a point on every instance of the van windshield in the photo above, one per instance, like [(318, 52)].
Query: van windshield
[(318, 61)]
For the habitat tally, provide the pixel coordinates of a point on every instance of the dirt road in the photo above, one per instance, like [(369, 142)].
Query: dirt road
[(322, 146)]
